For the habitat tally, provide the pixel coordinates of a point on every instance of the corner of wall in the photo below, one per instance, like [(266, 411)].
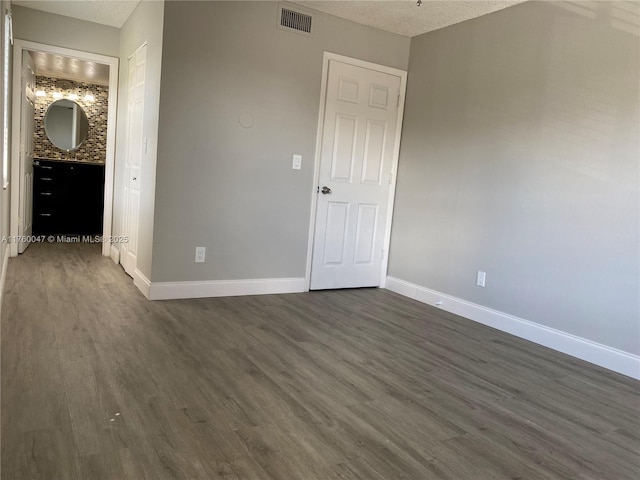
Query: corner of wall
[(144, 26), (582, 348)]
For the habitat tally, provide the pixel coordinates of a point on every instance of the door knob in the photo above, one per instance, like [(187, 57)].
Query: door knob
[(325, 190)]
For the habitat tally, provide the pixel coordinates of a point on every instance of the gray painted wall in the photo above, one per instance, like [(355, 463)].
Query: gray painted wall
[(519, 157), (67, 32), (144, 25), (228, 188)]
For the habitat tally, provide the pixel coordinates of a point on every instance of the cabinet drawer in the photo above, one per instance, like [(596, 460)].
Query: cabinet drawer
[(43, 180), (67, 198), (51, 169)]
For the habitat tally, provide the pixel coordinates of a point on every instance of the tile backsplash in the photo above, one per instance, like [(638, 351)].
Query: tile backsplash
[(93, 149)]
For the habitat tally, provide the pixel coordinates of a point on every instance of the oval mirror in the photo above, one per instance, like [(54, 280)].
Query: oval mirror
[(66, 124)]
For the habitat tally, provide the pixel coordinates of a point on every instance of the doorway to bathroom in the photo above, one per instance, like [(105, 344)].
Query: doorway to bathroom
[(63, 145)]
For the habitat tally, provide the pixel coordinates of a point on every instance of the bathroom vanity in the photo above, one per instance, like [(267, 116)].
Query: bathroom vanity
[(68, 197)]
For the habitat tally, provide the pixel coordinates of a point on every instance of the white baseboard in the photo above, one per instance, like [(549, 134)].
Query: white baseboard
[(3, 275), (142, 282), (115, 254), (225, 288), (596, 353)]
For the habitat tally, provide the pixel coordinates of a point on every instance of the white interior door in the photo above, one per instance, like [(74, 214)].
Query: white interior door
[(27, 125), (133, 162), (357, 149)]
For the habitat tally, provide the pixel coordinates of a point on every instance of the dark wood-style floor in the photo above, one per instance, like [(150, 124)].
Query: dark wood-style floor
[(99, 383)]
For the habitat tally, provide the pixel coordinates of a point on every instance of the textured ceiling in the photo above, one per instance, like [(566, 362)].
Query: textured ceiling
[(404, 17), (107, 12), (398, 16), (57, 66)]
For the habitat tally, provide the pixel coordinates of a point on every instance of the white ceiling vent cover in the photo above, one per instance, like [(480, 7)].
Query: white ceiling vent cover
[(294, 20)]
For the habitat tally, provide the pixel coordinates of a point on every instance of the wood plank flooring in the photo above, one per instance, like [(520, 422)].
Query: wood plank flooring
[(99, 383)]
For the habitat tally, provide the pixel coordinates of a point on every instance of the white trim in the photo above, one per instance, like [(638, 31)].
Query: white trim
[(316, 173), (225, 288), (582, 348), (3, 277), (142, 283), (18, 47), (316, 165), (125, 228), (115, 254), (392, 188), (110, 163), (7, 41), (14, 182)]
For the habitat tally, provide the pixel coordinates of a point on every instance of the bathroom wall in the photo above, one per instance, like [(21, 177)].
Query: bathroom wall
[(93, 149)]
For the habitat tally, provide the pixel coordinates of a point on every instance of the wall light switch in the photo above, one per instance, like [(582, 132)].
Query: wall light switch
[(481, 278), (297, 162), (200, 252)]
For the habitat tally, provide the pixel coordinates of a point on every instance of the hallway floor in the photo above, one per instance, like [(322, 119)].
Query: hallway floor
[(100, 383)]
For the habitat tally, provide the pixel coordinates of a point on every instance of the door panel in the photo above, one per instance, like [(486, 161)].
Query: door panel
[(134, 207), (379, 96), (134, 154), (336, 230), (374, 152), (27, 127), (348, 89), (356, 158), (344, 148), (365, 234)]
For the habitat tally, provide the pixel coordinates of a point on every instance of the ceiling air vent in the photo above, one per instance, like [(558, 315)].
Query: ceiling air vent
[(294, 21)]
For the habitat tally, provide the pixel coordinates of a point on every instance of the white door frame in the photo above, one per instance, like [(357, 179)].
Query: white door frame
[(18, 47), (316, 165)]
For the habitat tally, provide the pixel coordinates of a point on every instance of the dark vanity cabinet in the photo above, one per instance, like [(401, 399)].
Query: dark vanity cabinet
[(68, 198)]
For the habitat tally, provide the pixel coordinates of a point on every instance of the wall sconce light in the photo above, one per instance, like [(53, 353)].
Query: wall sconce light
[(89, 97), (41, 93), (57, 95), (73, 96)]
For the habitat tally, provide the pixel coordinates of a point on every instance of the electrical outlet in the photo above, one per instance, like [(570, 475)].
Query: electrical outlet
[(200, 252), (481, 278), (297, 162)]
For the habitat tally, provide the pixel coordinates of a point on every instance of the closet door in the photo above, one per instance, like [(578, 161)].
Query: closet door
[(133, 162)]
